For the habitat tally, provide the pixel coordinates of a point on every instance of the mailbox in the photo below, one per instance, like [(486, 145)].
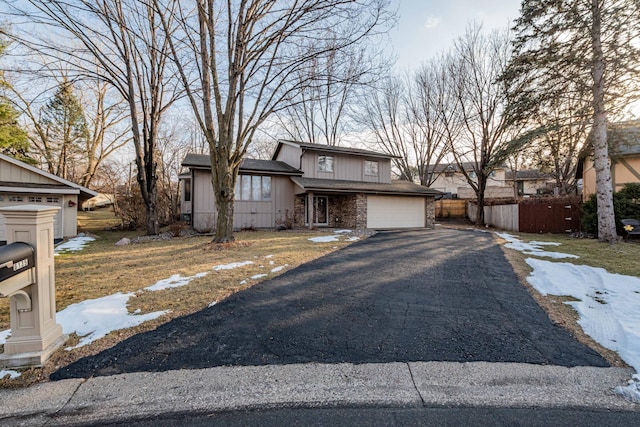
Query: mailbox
[(17, 262)]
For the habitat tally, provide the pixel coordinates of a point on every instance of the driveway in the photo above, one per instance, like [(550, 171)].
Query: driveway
[(428, 295)]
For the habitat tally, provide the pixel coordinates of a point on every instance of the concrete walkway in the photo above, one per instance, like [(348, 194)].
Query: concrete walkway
[(419, 384)]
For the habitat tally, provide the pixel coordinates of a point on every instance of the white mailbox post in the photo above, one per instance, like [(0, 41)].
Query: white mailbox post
[(34, 331)]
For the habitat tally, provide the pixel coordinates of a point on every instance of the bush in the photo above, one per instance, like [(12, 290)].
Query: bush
[(626, 204)]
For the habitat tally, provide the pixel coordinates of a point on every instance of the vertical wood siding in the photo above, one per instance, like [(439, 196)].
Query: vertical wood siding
[(13, 173), (290, 155), (345, 167)]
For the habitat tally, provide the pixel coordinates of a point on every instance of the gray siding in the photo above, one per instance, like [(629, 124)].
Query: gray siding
[(290, 155), (258, 214), (13, 173), (346, 167)]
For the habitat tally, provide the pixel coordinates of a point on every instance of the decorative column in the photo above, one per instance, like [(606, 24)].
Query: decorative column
[(35, 333)]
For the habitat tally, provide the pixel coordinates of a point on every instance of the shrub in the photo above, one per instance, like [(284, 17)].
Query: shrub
[(626, 204)]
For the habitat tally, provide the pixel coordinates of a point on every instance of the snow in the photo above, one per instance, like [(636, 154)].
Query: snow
[(342, 231), (607, 304), (232, 265), (258, 276), (325, 239), (532, 248), (280, 268), (73, 245), (94, 318), (174, 281), (12, 374)]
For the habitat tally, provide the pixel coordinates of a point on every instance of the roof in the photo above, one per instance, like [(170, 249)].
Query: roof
[(62, 187), (624, 138), (453, 167), (404, 188), (332, 149), (528, 175), (273, 167)]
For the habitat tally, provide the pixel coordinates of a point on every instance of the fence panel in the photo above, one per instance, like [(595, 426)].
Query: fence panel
[(551, 217), (451, 208)]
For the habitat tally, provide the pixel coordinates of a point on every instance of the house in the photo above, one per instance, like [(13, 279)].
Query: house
[(21, 183), (451, 180), (311, 185), (624, 152), (530, 182)]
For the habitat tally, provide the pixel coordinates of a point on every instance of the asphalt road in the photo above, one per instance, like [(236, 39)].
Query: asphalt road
[(429, 295)]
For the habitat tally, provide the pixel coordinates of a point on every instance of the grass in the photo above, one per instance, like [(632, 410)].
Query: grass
[(103, 269), (621, 258)]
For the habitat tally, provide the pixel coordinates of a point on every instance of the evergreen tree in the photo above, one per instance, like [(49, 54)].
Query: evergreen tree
[(13, 139), (562, 44)]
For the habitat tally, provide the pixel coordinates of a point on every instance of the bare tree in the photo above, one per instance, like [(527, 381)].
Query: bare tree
[(244, 65), (122, 43), (485, 135)]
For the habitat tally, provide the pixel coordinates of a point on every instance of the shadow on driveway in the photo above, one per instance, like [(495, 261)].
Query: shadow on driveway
[(428, 295)]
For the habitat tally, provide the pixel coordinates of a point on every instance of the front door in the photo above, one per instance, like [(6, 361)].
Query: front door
[(320, 210)]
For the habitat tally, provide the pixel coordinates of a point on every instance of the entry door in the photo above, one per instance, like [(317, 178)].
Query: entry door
[(320, 210)]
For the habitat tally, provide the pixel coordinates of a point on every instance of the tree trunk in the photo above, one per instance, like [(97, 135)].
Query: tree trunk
[(604, 186), (223, 178), (482, 185)]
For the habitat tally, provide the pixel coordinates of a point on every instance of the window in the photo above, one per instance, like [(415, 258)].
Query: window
[(35, 199), (187, 190), (253, 188), (15, 198), (370, 168), (53, 200), (325, 163)]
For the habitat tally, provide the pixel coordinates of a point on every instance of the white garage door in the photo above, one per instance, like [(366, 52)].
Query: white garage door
[(22, 199), (395, 212)]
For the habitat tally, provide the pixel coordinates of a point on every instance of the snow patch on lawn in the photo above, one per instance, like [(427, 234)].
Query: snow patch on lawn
[(280, 268), (533, 248), (12, 374), (174, 281), (232, 265), (258, 276), (94, 318), (325, 239), (73, 245)]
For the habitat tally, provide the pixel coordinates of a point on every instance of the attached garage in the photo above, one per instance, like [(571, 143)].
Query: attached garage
[(23, 184), (395, 212)]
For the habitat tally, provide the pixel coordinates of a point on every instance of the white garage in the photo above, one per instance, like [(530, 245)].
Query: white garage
[(395, 212), (23, 184)]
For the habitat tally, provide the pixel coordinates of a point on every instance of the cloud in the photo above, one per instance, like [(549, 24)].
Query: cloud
[(431, 22)]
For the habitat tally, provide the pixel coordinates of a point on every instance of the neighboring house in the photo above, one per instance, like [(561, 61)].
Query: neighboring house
[(451, 180), (309, 184), (624, 151), (530, 182), (100, 201), (22, 184)]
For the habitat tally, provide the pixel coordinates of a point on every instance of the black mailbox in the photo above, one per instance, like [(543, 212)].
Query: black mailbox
[(16, 258)]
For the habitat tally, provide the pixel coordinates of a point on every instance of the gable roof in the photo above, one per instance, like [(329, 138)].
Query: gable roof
[(624, 138), (59, 185), (331, 149), (453, 167), (273, 167), (528, 175), (403, 188)]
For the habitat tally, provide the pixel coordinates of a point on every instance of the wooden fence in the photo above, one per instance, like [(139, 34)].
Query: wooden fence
[(451, 208), (535, 216)]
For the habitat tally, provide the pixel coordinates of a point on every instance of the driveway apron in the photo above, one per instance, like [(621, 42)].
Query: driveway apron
[(427, 295)]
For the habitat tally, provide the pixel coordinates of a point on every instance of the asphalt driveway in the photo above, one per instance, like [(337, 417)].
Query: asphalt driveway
[(429, 295)]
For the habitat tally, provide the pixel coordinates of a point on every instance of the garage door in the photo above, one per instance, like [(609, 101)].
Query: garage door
[(21, 199), (395, 212)]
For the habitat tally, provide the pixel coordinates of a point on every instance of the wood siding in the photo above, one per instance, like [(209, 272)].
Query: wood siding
[(345, 167), (13, 173), (256, 214), (290, 155)]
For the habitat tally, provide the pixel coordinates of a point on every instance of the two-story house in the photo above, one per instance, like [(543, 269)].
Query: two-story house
[(311, 185), (450, 179)]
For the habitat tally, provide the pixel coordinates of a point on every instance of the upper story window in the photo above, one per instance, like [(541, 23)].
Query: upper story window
[(187, 190), (253, 188), (325, 163), (370, 168)]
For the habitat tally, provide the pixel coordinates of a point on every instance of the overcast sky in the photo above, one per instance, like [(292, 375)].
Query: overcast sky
[(427, 27)]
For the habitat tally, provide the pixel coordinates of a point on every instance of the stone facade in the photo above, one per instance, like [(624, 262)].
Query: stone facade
[(430, 212), (361, 209), (345, 211)]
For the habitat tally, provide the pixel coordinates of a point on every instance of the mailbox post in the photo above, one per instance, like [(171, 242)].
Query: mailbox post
[(34, 331)]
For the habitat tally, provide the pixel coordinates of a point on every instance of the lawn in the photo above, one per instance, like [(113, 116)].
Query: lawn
[(103, 269), (621, 258)]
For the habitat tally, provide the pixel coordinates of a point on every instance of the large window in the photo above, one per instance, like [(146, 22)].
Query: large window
[(370, 168), (253, 188), (325, 163)]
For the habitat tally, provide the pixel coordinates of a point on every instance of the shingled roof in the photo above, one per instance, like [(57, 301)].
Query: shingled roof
[(401, 188), (273, 167), (332, 149)]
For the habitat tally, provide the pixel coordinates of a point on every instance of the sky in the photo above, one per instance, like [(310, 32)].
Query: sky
[(427, 27)]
